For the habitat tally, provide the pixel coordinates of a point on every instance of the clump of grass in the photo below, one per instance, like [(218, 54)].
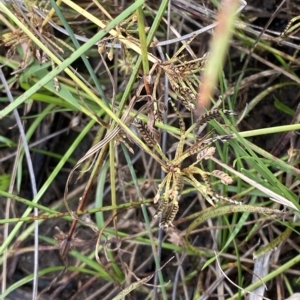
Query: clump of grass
[(111, 242)]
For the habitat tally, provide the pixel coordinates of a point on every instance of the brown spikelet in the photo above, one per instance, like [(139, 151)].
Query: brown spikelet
[(229, 112), (159, 109), (163, 204), (56, 84), (189, 67), (208, 186), (180, 118), (170, 214), (156, 198), (211, 115), (147, 135), (181, 122), (178, 183), (159, 190), (225, 178), (206, 153), (186, 96), (157, 116), (285, 33), (218, 197), (198, 147)]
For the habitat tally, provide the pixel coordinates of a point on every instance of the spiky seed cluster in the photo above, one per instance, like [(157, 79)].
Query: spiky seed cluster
[(290, 28), (225, 178), (206, 153), (170, 214), (178, 184), (184, 84), (198, 147), (18, 37), (208, 186), (186, 97), (181, 78), (213, 114), (159, 109), (187, 68), (163, 204), (217, 197), (169, 190), (145, 132)]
